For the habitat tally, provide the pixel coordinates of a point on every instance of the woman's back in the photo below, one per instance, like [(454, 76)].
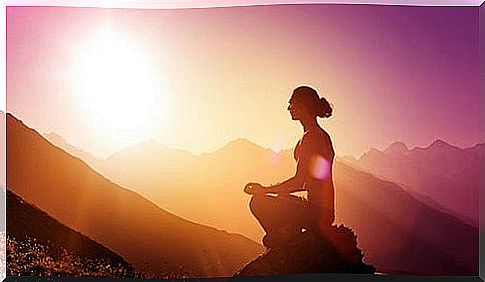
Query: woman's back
[(316, 152)]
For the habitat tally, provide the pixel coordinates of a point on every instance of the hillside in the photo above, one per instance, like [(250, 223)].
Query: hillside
[(39, 245), (148, 237), (217, 178), (399, 233), (447, 174)]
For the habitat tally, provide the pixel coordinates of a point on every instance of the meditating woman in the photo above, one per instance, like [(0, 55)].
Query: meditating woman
[(283, 215)]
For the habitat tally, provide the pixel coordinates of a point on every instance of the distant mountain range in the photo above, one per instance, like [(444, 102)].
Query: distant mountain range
[(170, 177), (444, 173), (145, 235), (399, 232), (57, 140)]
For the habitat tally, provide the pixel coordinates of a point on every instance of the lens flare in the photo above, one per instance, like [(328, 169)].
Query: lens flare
[(319, 167)]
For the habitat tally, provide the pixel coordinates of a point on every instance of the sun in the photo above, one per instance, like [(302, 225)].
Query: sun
[(118, 87)]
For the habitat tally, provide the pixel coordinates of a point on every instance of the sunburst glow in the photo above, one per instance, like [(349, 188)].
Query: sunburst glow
[(117, 85)]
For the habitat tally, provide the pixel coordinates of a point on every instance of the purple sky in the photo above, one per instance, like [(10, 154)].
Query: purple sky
[(393, 73)]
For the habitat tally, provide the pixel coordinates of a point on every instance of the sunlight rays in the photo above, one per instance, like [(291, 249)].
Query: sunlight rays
[(118, 88)]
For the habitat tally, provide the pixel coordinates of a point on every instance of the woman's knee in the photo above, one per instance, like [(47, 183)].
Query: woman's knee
[(254, 203), (259, 202)]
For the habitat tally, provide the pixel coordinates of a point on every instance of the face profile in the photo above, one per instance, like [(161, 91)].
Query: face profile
[(295, 110), (305, 105)]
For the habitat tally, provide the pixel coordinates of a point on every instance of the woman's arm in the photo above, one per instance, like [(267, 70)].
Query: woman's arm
[(296, 183), (288, 186), (309, 149), (293, 184)]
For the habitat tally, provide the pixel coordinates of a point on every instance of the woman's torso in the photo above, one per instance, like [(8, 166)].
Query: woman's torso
[(319, 182)]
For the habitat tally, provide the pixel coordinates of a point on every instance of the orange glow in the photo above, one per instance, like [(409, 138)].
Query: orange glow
[(116, 84)]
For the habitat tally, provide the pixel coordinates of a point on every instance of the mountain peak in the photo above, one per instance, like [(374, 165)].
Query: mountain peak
[(149, 148), (240, 140), (51, 169), (397, 148), (147, 145), (478, 148), (439, 143), (151, 143), (240, 143), (52, 136)]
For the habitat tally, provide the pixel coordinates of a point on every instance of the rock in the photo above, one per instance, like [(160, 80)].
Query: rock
[(309, 253)]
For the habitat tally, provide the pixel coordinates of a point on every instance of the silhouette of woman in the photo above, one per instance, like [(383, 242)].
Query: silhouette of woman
[(284, 216)]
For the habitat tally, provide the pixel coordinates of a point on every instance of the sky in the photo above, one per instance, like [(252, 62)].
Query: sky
[(195, 79)]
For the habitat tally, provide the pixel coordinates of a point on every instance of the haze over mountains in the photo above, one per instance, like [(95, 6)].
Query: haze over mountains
[(193, 187), (145, 235), (447, 174), (398, 232)]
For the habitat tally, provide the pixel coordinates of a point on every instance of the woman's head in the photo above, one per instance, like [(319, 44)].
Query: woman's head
[(305, 103)]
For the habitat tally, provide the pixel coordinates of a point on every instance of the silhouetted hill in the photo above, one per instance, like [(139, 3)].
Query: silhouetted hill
[(307, 253), (396, 232), (41, 246), (446, 173), (145, 235)]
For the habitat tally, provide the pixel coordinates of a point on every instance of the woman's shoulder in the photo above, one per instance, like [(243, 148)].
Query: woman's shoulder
[(316, 135), (318, 140)]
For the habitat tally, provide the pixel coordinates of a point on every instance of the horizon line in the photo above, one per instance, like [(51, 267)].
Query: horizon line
[(151, 139), (198, 154)]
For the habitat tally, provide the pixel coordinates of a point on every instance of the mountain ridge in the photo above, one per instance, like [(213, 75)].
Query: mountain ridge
[(100, 204), (446, 173), (399, 221), (440, 257)]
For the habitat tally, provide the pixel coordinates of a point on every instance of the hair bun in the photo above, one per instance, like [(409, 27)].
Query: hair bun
[(324, 108), (307, 96)]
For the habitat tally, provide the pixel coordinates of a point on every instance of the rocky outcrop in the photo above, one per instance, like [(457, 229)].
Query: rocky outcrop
[(337, 252)]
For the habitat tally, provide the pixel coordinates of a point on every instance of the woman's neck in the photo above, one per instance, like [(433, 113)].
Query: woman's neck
[(309, 124)]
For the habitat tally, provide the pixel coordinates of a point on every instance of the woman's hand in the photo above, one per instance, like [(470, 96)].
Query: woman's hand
[(254, 188)]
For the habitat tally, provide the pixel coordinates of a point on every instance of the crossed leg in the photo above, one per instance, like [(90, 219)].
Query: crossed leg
[(282, 217)]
